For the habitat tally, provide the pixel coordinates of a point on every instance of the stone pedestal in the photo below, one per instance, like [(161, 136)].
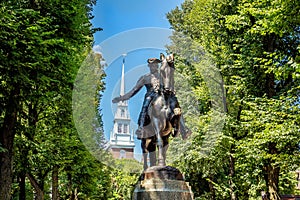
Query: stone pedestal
[(161, 183)]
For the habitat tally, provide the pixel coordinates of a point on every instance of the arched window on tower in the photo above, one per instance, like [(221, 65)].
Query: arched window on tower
[(125, 128), (122, 153), (119, 128), (122, 113)]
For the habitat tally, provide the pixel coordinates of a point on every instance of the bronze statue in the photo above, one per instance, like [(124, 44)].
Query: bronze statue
[(160, 111)]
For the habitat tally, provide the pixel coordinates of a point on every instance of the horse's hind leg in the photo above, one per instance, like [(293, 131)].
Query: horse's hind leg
[(149, 146), (152, 152), (165, 146)]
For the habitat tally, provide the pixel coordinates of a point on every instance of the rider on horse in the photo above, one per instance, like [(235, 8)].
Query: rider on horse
[(154, 88)]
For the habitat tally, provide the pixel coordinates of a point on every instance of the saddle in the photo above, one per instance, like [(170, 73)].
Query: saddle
[(173, 115)]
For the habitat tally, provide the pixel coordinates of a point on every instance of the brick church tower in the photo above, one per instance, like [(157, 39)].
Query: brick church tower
[(121, 138)]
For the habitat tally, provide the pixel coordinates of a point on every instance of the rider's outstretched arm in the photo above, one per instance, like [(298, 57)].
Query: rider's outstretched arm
[(140, 83)]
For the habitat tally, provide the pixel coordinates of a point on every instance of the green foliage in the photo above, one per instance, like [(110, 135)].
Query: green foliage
[(85, 175), (255, 47), (198, 88), (86, 98), (272, 137), (43, 44), (124, 178)]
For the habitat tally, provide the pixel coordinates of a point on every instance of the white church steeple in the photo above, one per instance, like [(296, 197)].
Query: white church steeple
[(122, 88), (121, 137)]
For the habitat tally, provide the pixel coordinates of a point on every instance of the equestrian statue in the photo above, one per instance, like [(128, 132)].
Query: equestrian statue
[(161, 115)]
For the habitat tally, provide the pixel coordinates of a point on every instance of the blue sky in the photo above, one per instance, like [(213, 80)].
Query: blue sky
[(138, 28), (116, 16)]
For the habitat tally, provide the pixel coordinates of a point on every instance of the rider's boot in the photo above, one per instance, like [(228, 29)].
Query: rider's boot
[(142, 118), (175, 120), (140, 131)]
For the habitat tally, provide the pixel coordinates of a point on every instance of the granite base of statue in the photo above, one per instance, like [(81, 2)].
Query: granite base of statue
[(161, 183)]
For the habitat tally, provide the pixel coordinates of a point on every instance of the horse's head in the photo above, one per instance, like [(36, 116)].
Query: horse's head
[(169, 59), (167, 71)]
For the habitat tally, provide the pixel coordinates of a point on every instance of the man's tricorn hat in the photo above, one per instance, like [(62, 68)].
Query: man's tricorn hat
[(153, 60)]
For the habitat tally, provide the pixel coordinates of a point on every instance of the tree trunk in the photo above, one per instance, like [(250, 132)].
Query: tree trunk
[(22, 174), (70, 185), (38, 189), (233, 195), (211, 187), (76, 194), (272, 175), (6, 169), (273, 180), (7, 139), (269, 42), (270, 85), (55, 192), (22, 194), (272, 170)]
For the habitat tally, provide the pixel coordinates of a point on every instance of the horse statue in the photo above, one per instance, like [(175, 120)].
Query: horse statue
[(159, 127), (163, 113)]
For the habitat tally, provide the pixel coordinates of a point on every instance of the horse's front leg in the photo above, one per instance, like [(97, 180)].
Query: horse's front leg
[(145, 152), (157, 127)]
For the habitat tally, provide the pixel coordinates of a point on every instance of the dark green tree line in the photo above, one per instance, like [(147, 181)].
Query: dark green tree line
[(255, 47), (43, 44)]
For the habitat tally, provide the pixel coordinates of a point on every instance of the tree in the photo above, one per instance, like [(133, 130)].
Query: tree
[(255, 45), (124, 178), (198, 88), (43, 44)]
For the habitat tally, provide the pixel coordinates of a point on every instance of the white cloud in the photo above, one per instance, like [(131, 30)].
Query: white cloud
[(97, 49)]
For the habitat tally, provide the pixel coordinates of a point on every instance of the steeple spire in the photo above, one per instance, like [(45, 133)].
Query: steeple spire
[(121, 141), (122, 89)]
